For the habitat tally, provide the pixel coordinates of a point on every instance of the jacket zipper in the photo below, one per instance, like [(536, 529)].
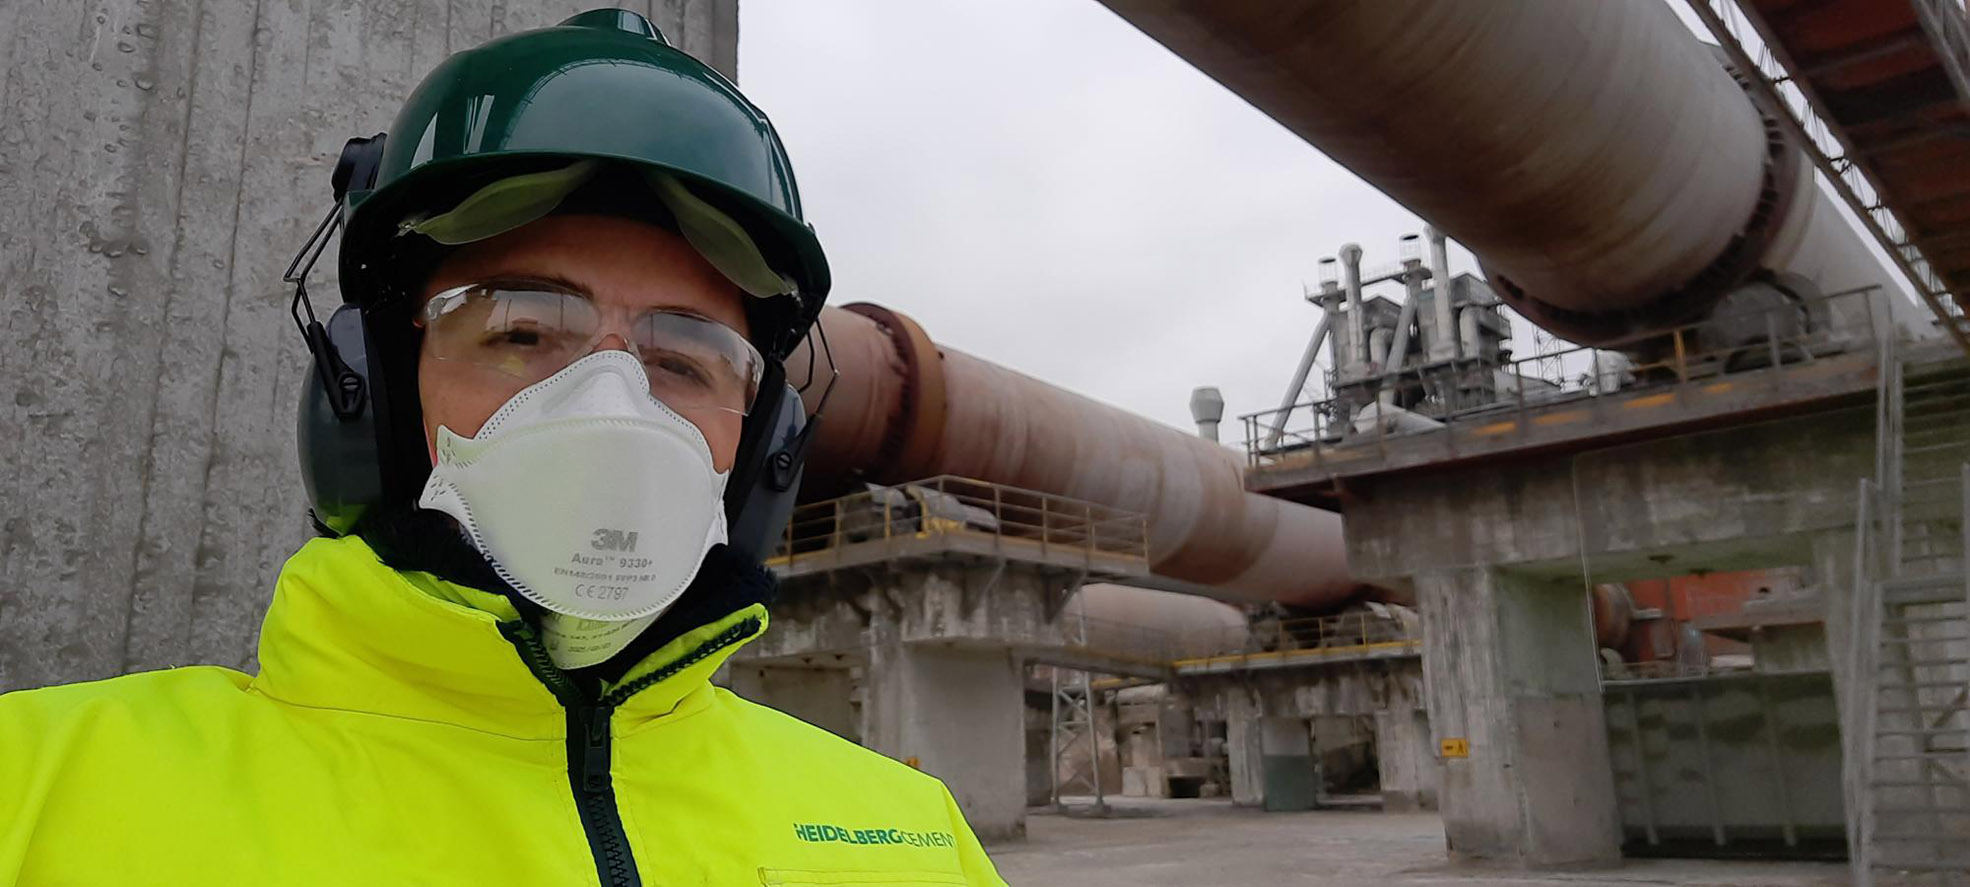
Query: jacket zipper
[(589, 750)]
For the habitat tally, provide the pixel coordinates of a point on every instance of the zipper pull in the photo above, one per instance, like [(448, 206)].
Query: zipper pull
[(595, 747)]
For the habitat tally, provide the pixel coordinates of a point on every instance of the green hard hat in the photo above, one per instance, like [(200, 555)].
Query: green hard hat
[(603, 86)]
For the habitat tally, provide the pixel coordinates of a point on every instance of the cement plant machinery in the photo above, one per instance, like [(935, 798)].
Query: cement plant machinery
[(1611, 174)]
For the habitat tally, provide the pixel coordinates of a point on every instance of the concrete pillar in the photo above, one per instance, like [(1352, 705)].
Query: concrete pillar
[(1509, 667), (959, 715), (1406, 756), (1039, 762), (820, 696), (1246, 756), (1291, 782)]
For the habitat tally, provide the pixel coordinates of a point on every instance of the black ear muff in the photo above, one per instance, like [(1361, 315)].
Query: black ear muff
[(761, 500), (337, 428), (337, 446)]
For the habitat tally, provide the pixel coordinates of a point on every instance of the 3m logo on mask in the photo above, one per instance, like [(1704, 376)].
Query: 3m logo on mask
[(613, 540)]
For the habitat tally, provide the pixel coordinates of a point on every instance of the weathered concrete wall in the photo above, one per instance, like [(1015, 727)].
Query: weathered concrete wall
[(1367, 688), (943, 648), (977, 604), (960, 715), (1743, 497), (1748, 760), (1509, 665), (161, 161), (1407, 756), (1361, 688)]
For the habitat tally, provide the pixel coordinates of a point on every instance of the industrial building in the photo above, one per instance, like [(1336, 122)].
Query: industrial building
[(1650, 539)]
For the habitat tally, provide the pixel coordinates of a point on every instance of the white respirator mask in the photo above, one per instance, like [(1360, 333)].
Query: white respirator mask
[(590, 497)]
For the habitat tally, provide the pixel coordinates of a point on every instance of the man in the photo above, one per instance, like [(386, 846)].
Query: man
[(572, 269)]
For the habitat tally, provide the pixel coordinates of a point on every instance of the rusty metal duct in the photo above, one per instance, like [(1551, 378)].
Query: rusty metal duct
[(905, 408), (1607, 170)]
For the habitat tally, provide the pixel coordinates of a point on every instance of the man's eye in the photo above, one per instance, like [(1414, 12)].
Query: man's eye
[(516, 336), (681, 368)]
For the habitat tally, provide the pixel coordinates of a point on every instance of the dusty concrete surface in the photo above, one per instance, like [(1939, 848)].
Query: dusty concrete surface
[(1201, 843)]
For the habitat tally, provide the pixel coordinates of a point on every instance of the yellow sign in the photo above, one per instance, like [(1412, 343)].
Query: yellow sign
[(1455, 748)]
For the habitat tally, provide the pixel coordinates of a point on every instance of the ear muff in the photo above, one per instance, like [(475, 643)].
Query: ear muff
[(338, 445), (336, 434), (759, 502)]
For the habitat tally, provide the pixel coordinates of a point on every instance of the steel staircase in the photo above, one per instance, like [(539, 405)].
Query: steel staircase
[(1908, 713)]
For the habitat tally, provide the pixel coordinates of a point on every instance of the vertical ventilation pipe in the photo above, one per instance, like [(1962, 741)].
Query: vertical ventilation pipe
[(1445, 346)]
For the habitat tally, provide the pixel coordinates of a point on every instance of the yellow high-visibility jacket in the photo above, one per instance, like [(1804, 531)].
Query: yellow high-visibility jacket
[(404, 730)]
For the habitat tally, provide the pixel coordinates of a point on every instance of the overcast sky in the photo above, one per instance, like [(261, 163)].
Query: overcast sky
[(1041, 185)]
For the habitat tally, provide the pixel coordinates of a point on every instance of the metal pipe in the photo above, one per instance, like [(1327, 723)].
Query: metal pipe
[(1399, 346), (1293, 389), (1445, 346), (1357, 342), (1207, 410), (1519, 139), (905, 408)]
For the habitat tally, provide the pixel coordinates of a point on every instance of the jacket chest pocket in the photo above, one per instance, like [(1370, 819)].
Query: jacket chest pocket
[(831, 878)]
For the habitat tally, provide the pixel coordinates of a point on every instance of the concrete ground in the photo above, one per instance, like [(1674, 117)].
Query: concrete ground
[(1203, 843)]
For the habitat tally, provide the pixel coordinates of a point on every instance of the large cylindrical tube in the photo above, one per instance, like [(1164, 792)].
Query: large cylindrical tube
[(905, 408), (1606, 169), (1445, 346)]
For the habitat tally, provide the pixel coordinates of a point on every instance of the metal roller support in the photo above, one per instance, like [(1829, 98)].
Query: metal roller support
[(1602, 163), (905, 408)]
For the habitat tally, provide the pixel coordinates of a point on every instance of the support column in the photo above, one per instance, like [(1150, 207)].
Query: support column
[(959, 715), (1406, 757), (819, 696), (1509, 667), (1246, 757)]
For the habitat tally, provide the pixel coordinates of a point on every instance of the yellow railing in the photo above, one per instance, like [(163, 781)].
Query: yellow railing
[(948, 506)]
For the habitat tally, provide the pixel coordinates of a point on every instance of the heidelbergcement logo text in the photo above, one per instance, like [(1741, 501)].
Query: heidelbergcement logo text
[(822, 834)]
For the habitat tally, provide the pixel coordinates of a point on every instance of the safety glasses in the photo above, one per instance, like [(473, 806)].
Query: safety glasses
[(529, 331)]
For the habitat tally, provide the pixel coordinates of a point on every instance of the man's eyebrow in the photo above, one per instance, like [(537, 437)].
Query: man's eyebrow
[(552, 280), (563, 284)]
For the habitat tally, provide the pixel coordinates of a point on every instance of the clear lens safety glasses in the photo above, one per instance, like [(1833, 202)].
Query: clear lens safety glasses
[(528, 332)]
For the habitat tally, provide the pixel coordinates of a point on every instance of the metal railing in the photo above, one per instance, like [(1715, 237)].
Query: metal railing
[(1862, 667), (1791, 334), (1829, 151), (948, 507)]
